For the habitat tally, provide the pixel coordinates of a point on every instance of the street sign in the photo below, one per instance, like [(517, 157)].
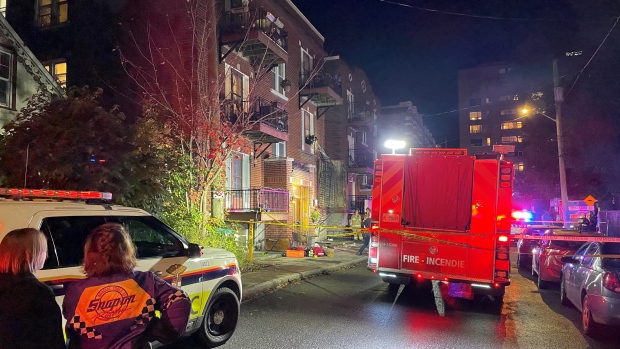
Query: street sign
[(503, 149), (590, 200)]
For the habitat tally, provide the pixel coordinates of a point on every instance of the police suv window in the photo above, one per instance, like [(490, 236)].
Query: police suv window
[(66, 237)]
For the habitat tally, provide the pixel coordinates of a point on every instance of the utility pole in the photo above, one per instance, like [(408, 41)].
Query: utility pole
[(558, 93)]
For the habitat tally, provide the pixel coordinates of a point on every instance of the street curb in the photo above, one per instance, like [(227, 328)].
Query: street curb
[(252, 291)]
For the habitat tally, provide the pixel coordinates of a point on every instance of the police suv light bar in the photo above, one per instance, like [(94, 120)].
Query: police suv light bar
[(55, 194)]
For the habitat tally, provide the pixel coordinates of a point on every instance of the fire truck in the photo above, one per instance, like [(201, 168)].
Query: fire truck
[(441, 214)]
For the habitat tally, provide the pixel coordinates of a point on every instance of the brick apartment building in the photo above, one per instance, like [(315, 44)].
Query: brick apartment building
[(270, 64)]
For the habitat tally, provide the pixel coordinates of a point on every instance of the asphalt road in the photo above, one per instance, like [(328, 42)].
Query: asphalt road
[(354, 309)]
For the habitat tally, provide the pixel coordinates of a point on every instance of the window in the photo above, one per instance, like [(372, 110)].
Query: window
[(519, 153), (350, 104), (3, 7), (6, 78), (236, 87), (306, 65), (504, 98), (508, 111), (279, 149), (361, 137), (488, 141), (236, 172), (518, 167), (512, 139), (66, 237), (475, 115), (278, 73), (363, 86), (475, 128), (511, 125), (52, 12), (307, 129), (476, 142), (474, 102), (58, 69)]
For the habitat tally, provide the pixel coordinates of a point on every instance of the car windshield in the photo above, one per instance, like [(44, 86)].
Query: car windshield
[(535, 231), (611, 248), (567, 245)]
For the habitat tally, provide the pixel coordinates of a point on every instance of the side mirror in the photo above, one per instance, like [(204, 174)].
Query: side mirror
[(194, 250), (568, 259)]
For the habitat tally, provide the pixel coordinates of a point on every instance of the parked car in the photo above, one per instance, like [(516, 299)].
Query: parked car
[(210, 276), (591, 282), (546, 257), (525, 246)]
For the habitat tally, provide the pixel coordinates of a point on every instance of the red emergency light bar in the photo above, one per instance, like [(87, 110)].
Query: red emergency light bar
[(55, 194)]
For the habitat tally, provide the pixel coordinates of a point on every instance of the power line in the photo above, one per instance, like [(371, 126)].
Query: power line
[(592, 57), (482, 16)]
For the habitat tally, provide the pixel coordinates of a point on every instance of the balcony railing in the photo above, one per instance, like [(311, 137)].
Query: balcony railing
[(257, 199), (314, 80), (259, 19), (361, 158), (260, 110), (359, 112)]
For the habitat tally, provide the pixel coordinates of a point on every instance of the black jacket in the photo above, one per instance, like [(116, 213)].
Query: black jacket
[(29, 314)]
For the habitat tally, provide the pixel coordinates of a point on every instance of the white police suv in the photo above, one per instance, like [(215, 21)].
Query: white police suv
[(210, 276)]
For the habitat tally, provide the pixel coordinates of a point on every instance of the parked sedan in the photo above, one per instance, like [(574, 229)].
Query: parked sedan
[(546, 258), (591, 281), (525, 246)]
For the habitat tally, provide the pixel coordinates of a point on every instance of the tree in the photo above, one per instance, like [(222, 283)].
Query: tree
[(172, 56), (76, 144)]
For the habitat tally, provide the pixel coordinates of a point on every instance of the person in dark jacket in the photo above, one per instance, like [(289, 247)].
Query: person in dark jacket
[(29, 314), (115, 306)]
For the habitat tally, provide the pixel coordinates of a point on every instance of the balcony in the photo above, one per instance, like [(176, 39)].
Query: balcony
[(256, 34), (361, 160), (357, 202), (262, 121), (261, 204), (322, 89), (360, 114)]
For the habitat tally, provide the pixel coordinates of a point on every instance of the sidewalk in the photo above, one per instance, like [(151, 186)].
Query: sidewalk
[(271, 269)]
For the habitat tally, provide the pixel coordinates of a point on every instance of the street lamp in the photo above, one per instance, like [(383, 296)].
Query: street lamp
[(561, 162), (393, 144)]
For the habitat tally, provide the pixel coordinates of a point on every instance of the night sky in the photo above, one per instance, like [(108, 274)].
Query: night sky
[(415, 53)]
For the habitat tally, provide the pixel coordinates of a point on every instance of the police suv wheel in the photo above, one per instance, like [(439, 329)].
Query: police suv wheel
[(220, 319)]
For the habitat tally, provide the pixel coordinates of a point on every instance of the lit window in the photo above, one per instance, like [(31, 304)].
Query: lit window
[(488, 141), (6, 79), (475, 115), (278, 74), (3, 7), (519, 166), (58, 70), (476, 142), (515, 97), (508, 111), (511, 125), (475, 128), (51, 12), (512, 139)]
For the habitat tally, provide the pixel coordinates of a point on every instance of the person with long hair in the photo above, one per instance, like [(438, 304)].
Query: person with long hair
[(29, 314), (115, 306)]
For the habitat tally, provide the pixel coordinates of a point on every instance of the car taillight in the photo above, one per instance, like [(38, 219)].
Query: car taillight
[(611, 282)]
